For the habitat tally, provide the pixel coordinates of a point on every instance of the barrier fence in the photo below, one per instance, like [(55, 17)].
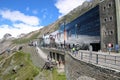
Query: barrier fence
[(111, 61), (99, 58)]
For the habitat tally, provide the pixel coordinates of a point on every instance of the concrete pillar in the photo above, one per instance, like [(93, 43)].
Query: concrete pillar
[(56, 56), (51, 55)]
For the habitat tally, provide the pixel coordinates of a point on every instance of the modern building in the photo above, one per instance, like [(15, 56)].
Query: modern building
[(101, 25)]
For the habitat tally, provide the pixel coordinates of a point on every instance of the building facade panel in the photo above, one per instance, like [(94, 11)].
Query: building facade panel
[(101, 21)]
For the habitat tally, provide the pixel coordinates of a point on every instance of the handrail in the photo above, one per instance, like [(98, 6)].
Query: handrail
[(106, 60), (111, 61)]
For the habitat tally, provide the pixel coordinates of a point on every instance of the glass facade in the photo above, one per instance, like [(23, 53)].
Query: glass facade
[(86, 24), (83, 30)]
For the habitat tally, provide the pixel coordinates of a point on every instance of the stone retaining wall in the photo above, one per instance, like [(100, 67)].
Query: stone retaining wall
[(79, 70)]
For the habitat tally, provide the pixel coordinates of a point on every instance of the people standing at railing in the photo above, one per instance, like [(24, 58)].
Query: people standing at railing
[(73, 50), (117, 47), (48, 57), (76, 50), (59, 62), (61, 45), (69, 46), (90, 54)]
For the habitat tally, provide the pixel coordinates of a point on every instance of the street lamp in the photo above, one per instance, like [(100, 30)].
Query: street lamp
[(76, 30), (64, 33)]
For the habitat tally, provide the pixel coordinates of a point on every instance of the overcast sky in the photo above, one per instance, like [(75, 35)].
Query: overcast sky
[(24, 16)]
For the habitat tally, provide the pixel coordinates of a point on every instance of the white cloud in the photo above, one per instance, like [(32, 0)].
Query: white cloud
[(15, 16), (65, 6), (17, 29), (26, 23)]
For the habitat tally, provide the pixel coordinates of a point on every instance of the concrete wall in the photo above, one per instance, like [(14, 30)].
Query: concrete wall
[(78, 70), (117, 2)]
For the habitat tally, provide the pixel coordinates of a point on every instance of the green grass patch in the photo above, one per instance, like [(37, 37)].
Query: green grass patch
[(1, 57), (54, 75), (58, 76), (24, 69)]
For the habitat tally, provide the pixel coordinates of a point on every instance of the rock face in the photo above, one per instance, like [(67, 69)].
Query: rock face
[(7, 36), (5, 42), (21, 35)]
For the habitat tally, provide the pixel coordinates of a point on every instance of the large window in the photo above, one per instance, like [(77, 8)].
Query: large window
[(87, 24)]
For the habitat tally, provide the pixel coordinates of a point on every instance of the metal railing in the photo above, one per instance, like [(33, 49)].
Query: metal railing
[(111, 61), (99, 58)]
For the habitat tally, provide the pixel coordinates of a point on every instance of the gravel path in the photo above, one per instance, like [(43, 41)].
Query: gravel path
[(41, 54)]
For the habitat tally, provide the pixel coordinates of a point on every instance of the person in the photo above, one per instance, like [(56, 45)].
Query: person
[(73, 50), (48, 57), (61, 45), (76, 51), (117, 48), (90, 55), (69, 46), (59, 62)]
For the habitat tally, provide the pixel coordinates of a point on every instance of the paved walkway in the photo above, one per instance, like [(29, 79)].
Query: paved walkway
[(41, 53), (60, 68)]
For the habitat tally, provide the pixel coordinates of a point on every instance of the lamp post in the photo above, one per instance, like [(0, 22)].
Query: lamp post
[(64, 33), (76, 31), (64, 39)]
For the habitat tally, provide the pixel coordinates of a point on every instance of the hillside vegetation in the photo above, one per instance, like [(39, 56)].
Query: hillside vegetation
[(18, 67), (31, 36)]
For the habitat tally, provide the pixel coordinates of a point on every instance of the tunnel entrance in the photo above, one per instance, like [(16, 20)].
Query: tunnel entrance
[(95, 46)]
